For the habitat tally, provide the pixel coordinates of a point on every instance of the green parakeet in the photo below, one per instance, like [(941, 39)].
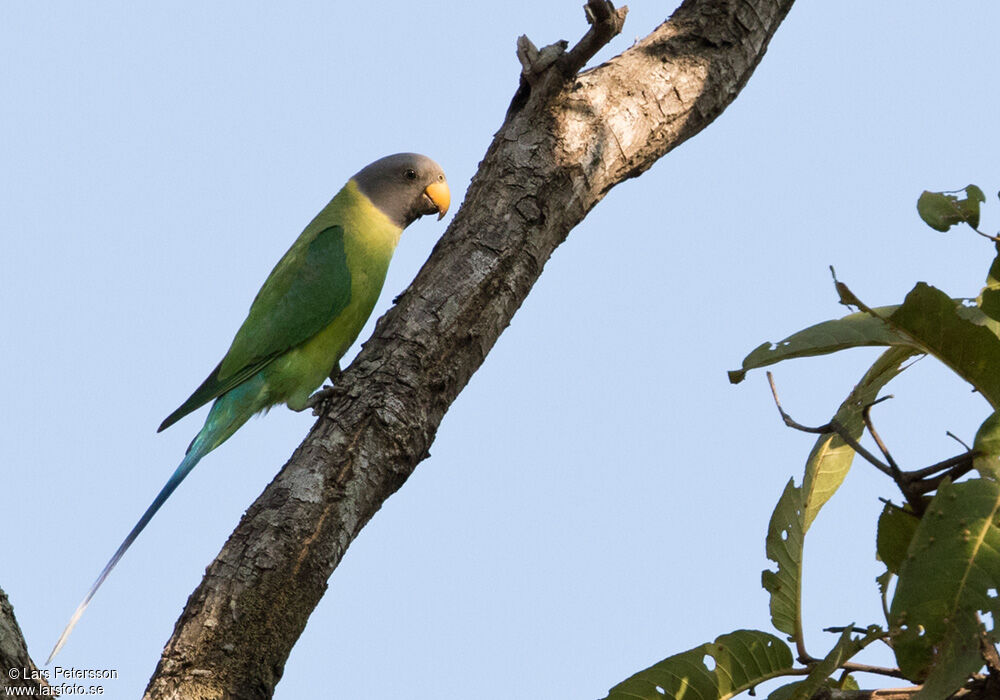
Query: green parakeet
[(308, 313)]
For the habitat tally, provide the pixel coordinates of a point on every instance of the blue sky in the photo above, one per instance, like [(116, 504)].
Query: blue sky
[(598, 496)]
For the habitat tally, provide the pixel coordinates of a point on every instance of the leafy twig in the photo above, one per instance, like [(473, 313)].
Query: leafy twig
[(913, 484), (957, 439), (903, 480), (866, 416), (831, 427), (853, 667)]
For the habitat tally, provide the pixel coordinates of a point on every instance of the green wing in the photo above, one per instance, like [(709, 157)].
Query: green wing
[(307, 289)]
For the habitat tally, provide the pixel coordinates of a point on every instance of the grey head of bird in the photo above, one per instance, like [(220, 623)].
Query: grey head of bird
[(405, 186)]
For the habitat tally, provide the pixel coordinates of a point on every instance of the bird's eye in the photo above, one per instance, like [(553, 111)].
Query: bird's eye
[(410, 174)]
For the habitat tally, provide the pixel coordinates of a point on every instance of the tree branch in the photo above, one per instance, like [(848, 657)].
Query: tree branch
[(17, 670), (913, 484), (560, 150), (884, 694), (978, 690), (832, 427), (605, 24)]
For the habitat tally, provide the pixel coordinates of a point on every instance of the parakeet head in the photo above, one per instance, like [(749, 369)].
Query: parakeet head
[(405, 186)]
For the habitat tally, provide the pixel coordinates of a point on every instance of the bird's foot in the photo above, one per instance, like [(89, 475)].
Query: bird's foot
[(319, 400)]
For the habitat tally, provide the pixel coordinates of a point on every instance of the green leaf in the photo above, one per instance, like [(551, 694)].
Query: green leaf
[(785, 535), (931, 321), (883, 580), (848, 683), (736, 662), (862, 329), (831, 457), (845, 648), (826, 468), (852, 331), (896, 527), (977, 195), (987, 447), (951, 574), (785, 692), (942, 210), (989, 298)]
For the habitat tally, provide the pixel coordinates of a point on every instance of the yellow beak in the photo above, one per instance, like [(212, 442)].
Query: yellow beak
[(439, 193)]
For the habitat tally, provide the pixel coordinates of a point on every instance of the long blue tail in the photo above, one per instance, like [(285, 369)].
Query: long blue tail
[(186, 465), (227, 415)]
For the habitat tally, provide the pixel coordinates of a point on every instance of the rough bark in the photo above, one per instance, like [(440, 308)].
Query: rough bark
[(16, 668), (979, 690), (566, 141)]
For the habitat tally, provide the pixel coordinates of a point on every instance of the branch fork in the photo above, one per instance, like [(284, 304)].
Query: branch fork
[(915, 484), (545, 71)]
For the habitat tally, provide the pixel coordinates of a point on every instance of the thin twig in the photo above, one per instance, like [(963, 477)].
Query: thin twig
[(787, 418), (944, 465), (865, 668), (881, 694), (840, 630), (903, 479), (831, 427), (995, 239), (958, 440), (866, 416), (927, 485), (913, 484)]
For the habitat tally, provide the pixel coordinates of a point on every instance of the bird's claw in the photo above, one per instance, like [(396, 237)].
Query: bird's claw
[(318, 401)]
